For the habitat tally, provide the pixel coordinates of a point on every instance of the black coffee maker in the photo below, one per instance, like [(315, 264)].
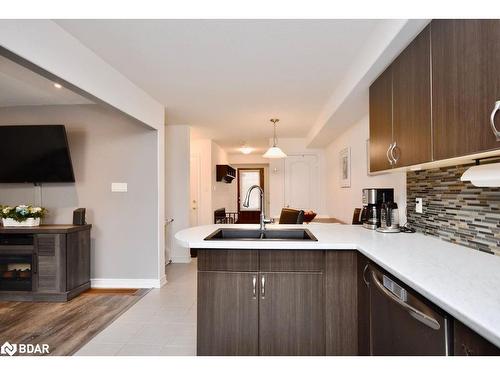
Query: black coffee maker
[(373, 199)]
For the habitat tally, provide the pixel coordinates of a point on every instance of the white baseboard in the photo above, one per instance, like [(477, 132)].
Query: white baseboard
[(128, 283), (181, 259)]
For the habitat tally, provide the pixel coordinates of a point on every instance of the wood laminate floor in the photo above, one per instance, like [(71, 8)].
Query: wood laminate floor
[(68, 326)]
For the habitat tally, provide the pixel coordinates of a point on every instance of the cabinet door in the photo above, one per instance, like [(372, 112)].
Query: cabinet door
[(363, 305), (341, 303), (411, 92), (228, 312), (50, 258), (380, 121), (77, 259), (291, 314), (466, 342), (465, 85)]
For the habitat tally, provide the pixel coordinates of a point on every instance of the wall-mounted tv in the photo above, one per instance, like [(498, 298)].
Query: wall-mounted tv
[(34, 153)]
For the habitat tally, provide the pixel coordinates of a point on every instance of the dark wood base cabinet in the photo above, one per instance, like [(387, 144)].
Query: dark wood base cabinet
[(466, 342), (315, 302), (53, 262), (254, 302)]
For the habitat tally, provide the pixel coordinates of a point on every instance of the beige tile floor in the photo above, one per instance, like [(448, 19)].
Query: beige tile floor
[(162, 323)]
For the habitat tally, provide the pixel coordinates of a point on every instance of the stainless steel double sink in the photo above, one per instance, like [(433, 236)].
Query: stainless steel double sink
[(236, 234)]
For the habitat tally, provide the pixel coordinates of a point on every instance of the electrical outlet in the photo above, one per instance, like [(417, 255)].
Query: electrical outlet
[(119, 187), (419, 208)]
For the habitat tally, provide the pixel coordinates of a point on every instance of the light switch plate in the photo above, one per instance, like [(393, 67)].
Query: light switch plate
[(419, 205), (119, 187)]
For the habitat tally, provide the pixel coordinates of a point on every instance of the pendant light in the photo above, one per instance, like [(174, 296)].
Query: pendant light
[(274, 152)]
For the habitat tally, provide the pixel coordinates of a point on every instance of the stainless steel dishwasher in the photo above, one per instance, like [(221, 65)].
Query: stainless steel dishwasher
[(402, 322)]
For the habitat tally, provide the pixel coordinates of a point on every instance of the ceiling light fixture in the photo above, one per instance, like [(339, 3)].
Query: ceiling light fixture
[(244, 149), (274, 152), (57, 85)]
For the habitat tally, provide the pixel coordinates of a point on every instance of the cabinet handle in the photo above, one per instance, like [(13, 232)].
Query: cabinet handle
[(413, 312), (254, 287), (394, 146), (263, 287), (387, 154), (492, 120), (364, 275), (466, 350)]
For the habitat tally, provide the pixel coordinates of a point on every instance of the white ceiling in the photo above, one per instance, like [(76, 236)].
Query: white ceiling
[(20, 86), (227, 78)]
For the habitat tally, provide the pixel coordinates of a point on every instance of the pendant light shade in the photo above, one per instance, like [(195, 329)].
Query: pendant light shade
[(274, 152)]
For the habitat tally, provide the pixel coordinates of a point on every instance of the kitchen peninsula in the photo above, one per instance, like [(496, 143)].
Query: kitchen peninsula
[(306, 297)]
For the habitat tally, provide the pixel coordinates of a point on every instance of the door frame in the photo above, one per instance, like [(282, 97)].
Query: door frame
[(197, 160), (238, 197)]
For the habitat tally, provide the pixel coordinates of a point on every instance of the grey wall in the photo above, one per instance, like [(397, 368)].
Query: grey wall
[(106, 147), (453, 210)]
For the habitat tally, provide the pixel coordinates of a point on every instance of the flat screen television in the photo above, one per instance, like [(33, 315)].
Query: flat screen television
[(35, 153)]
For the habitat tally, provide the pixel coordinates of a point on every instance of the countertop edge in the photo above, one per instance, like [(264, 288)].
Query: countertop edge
[(492, 334)]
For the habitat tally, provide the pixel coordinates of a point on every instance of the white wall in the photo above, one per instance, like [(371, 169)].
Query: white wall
[(47, 45), (295, 146), (52, 48), (105, 147), (254, 158), (203, 149), (177, 164), (342, 201)]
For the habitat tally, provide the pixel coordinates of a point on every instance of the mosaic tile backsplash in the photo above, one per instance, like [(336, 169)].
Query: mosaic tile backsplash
[(453, 210)]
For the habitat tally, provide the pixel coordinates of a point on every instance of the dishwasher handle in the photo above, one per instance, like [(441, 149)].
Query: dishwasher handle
[(416, 314)]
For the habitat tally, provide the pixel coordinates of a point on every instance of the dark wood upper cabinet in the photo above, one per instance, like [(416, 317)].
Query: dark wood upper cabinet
[(411, 93), (465, 85), (380, 121), (291, 313)]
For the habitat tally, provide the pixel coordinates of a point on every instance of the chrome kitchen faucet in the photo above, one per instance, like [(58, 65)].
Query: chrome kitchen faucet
[(246, 203)]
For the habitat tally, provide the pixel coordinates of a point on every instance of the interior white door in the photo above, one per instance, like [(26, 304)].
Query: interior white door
[(194, 185), (302, 182)]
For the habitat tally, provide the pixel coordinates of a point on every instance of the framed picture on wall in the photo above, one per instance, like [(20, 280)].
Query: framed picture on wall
[(345, 167)]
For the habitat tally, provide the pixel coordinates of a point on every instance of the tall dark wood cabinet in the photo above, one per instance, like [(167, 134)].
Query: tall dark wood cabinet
[(381, 122), (465, 85), (411, 93)]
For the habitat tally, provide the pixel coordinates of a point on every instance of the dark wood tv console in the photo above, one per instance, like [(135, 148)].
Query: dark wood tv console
[(45, 263)]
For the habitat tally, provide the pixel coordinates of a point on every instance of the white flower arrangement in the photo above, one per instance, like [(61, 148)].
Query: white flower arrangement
[(22, 212)]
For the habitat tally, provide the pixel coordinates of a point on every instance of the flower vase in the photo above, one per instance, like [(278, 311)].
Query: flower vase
[(29, 222)]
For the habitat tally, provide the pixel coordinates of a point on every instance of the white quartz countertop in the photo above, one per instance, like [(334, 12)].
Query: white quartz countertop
[(462, 281)]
